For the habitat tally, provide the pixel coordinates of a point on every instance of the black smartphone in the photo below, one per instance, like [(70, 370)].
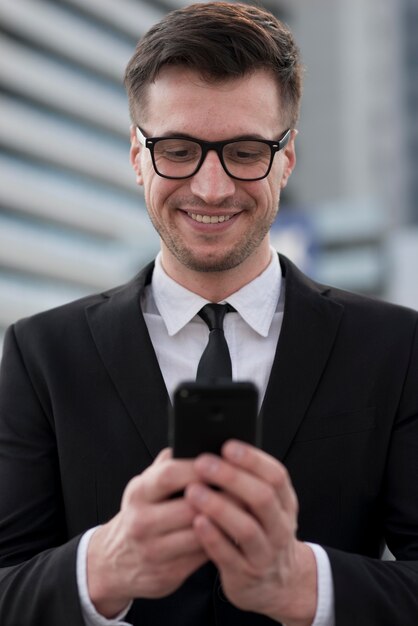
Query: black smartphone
[(205, 415)]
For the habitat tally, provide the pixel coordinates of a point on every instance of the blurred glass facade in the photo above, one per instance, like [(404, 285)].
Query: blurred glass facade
[(71, 217)]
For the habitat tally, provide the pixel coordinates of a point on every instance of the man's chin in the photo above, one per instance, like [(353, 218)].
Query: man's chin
[(210, 263), (209, 266)]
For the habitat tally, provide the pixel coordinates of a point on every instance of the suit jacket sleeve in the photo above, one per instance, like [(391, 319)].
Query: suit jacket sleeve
[(369, 591), (37, 559)]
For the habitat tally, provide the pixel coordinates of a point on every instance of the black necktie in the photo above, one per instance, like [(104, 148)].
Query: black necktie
[(215, 361)]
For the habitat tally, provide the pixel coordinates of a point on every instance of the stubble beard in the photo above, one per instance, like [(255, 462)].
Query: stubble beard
[(230, 259)]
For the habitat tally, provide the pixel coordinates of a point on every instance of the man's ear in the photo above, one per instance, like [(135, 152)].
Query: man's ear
[(135, 156), (289, 154)]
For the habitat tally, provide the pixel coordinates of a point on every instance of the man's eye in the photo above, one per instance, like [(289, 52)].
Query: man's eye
[(244, 155), (245, 152), (177, 151), (240, 154), (178, 154)]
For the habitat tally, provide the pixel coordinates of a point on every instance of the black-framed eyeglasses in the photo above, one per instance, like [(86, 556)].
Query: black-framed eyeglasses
[(242, 159)]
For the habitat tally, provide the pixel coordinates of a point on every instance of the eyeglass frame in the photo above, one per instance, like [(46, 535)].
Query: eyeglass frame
[(217, 146)]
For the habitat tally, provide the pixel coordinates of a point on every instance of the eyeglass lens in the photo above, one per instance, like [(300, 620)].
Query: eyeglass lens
[(180, 157)]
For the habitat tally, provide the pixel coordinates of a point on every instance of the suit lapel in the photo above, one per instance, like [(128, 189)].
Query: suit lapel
[(122, 340), (309, 328)]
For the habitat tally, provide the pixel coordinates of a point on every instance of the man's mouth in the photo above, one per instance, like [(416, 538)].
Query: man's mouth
[(209, 219)]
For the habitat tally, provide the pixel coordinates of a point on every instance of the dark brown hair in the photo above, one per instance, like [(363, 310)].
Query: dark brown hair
[(221, 41)]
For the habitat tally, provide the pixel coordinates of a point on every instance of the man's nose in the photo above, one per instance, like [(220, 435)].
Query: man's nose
[(211, 183)]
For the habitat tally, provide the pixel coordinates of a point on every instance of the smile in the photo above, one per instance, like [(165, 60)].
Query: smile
[(209, 219)]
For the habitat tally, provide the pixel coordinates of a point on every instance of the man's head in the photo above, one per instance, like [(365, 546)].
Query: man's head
[(220, 41), (214, 92)]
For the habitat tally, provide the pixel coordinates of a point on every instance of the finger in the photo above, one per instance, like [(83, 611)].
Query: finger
[(163, 455), (163, 478), (238, 525), (220, 550), (158, 519), (172, 546), (254, 494), (259, 463)]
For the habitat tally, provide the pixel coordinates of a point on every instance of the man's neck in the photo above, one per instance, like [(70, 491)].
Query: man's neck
[(217, 286)]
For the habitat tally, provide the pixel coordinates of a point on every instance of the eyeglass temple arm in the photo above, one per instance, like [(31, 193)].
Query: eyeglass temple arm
[(140, 136)]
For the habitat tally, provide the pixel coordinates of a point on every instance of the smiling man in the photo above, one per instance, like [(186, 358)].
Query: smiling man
[(89, 531), (213, 209)]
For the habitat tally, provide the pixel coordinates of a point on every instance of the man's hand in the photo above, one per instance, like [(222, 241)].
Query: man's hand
[(248, 529), (150, 547)]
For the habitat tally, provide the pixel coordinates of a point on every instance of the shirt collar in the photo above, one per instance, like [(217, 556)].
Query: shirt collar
[(256, 302)]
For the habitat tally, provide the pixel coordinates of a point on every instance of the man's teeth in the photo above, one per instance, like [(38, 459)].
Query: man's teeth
[(209, 219)]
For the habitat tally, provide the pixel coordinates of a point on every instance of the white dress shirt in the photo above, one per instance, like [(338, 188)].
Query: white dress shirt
[(179, 337)]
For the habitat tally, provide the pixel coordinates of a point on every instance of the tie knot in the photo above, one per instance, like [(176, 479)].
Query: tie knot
[(215, 362), (213, 314)]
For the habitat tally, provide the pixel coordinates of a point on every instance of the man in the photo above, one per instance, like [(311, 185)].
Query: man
[(89, 532)]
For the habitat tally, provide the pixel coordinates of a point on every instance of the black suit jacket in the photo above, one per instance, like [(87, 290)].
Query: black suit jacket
[(83, 408)]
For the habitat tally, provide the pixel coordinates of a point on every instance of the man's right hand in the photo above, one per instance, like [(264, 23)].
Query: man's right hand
[(149, 548)]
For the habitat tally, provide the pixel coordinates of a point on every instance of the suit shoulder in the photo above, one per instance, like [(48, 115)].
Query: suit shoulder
[(62, 313), (68, 318), (371, 304), (355, 304), (375, 322)]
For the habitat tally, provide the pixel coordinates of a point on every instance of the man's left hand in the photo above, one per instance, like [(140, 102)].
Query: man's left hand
[(248, 529)]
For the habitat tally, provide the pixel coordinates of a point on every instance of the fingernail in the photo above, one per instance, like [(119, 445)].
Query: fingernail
[(208, 464), (202, 523), (235, 450), (197, 493)]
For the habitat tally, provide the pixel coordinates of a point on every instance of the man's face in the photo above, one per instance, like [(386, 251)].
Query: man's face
[(180, 102)]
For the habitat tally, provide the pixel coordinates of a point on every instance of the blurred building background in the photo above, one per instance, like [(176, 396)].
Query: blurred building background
[(72, 220)]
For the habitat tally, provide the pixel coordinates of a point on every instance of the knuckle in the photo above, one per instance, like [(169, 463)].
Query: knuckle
[(133, 490), (265, 496), (165, 477), (150, 552), (280, 477), (248, 533), (294, 503), (139, 525), (215, 504), (290, 527), (130, 488)]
